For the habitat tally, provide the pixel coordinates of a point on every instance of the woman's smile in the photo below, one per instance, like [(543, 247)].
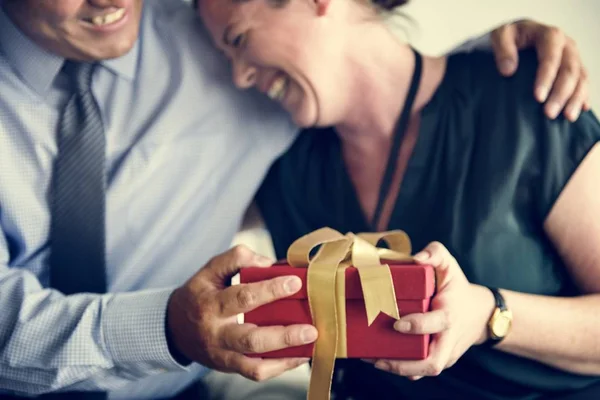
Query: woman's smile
[(278, 88)]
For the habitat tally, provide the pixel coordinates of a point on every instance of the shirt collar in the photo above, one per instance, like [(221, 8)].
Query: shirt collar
[(126, 65), (36, 66), (39, 67)]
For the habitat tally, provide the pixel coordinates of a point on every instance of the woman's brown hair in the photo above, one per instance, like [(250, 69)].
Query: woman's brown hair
[(388, 5)]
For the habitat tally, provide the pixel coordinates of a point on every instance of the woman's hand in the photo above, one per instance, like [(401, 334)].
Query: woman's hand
[(562, 81), (457, 320)]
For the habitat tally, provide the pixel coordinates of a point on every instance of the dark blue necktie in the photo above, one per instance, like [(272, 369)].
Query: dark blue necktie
[(77, 202), (77, 230)]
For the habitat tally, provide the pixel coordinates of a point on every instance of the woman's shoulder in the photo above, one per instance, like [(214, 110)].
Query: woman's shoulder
[(477, 73), (505, 118)]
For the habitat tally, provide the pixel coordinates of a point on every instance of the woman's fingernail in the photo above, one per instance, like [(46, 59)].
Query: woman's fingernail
[(292, 285), (382, 365), (421, 256), (402, 326)]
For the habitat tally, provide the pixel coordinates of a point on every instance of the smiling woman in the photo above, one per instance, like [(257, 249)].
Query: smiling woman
[(77, 29), (464, 160), (262, 39)]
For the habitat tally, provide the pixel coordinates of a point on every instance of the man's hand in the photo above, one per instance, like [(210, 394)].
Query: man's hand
[(201, 319), (562, 81)]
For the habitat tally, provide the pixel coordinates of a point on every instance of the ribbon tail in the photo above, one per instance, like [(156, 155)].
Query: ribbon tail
[(321, 284), (375, 279), (378, 292)]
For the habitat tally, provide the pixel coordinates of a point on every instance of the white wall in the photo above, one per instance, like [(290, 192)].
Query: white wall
[(443, 24)]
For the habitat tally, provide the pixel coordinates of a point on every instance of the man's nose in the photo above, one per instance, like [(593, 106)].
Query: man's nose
[(244, 74)]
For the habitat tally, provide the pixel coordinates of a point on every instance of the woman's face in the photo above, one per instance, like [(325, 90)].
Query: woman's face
[(289, 52)]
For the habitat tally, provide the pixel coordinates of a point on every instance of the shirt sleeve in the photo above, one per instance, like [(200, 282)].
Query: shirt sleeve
[(51, 342), (563, 146)]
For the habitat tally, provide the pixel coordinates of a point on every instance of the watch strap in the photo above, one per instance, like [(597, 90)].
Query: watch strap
[(501, 306), (500, 303)]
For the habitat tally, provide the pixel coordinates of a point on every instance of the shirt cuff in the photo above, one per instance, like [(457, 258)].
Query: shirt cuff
[(134, 332)]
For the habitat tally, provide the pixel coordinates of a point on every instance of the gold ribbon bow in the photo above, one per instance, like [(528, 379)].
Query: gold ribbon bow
[(327, 292)]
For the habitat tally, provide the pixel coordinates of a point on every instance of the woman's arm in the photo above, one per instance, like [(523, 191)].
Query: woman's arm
[(561, 332), (567, 330)]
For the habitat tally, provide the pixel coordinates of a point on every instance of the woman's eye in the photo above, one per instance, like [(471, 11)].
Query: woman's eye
[(238, 41)]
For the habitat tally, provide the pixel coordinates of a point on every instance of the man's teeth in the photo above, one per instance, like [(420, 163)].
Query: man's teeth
[(109, 18), (278, 89)]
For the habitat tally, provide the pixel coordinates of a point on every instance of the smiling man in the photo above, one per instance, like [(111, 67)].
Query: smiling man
[(127, 161)]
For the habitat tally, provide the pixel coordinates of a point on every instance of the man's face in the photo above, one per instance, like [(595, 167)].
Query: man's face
[(87, 30)]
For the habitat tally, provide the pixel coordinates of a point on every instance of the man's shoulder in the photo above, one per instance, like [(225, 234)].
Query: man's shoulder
[(165, 10), (175, 38), (173, 29), (176, 16)]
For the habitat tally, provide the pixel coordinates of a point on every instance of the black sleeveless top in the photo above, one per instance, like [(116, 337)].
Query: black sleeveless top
[(486, 170)]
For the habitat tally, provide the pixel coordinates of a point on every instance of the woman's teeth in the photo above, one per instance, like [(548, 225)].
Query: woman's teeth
[(278, 89), (108, 18)]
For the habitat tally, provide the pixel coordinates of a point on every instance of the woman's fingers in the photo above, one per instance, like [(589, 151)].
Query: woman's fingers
[(423, 324), (438, 360)]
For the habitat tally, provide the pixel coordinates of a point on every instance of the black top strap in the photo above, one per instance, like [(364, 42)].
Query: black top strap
[(386, 182)]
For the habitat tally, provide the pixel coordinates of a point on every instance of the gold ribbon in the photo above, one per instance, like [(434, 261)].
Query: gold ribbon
[(327, 290)]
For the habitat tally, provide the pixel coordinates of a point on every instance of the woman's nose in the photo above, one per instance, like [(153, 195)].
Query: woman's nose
[(244, 74)]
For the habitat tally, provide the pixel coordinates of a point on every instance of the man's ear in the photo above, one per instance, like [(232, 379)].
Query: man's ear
[(322, 6)]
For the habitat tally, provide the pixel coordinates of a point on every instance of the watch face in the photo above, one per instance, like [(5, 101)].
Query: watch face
[(501, 324)]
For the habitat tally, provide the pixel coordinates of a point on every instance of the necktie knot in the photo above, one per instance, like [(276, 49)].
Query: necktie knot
[(80, 75)]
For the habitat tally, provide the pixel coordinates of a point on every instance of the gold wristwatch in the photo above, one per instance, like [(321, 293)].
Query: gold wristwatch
[(501, 320)]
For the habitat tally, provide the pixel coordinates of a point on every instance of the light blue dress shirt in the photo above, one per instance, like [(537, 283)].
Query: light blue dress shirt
[(186, 152)]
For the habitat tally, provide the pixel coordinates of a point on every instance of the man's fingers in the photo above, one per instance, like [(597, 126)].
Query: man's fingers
[(243, 298), (249, 339), (565, 84), (504, 44), (421, 324), (578, 99), (550, 45), (229, 263), (258, 369)]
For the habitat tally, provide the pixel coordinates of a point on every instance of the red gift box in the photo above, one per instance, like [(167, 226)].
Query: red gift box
[(413, 285)]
